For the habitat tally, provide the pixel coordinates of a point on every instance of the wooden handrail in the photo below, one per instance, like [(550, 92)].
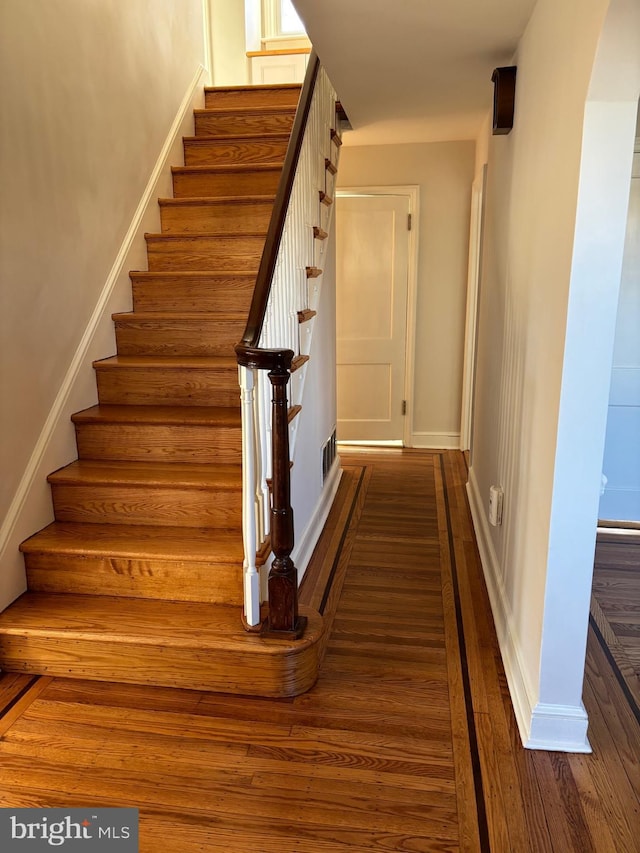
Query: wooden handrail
[(284, 619), (257, 358), (267, 267)]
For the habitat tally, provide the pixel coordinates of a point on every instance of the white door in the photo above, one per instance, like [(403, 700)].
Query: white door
[(621, 464), (372, 283)]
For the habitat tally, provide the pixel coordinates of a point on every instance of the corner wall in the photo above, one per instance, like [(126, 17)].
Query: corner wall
[(89, 95), (444, 172), (554, 230)]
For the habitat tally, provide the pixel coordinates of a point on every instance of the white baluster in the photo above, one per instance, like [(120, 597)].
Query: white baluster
[(251, 578)]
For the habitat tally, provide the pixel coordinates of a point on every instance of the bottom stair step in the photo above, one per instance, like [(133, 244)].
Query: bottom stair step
[(164, 643), (173, 563)]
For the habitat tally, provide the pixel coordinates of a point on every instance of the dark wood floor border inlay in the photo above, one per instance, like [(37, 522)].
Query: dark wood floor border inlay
[(483, 826), (615, 668), (18, 696)]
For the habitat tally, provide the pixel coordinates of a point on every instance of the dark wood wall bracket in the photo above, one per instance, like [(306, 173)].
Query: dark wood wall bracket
[(504, 99)]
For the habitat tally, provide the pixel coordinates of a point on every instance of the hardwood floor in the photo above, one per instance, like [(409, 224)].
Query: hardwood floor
[(407, 742), (615, 604)]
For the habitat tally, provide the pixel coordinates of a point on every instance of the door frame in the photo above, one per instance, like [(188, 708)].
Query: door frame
[(412, 193), (476, 229)]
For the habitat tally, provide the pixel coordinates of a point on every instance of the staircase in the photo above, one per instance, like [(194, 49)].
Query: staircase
[(139, 578)]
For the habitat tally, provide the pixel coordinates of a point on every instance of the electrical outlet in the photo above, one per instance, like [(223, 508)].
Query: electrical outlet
[(496, 496)]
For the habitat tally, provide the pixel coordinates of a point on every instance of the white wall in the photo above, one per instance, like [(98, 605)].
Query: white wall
[(90, 91), (311, 498), (552, 253), (229, 63), (444, 172)]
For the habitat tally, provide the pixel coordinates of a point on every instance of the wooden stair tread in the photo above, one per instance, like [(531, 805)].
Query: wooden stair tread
[(210, 545), (292, 413), (213, 362), (197, 275), (215, 416), (176, 624), (274, 136), (174, 317), (259, 110), (260, 87), (236, 237), (298, 362), (212, 201), (227, 168), (85, 472)]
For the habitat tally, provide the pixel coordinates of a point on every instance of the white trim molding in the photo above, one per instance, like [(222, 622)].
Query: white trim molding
[(559, 728), (29, 510), (541, 726), (473, 291)]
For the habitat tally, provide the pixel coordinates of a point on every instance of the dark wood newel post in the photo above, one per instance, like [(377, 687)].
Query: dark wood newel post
[(283, 619)]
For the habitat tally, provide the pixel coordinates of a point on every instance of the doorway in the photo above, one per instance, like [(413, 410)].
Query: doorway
[(375, 313), (620, 501)]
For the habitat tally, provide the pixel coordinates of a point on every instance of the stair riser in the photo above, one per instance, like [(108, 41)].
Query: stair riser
[(168, 580), (205, 253), (220, 218), (255, 97), (195, 339), (239, 125), (163, 386), (146, 443), (173, 507), (177, 295), (205, 152), (212, 184), (223, 671)]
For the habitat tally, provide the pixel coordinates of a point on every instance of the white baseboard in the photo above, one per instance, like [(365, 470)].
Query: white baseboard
[(436, 440), (308, 540), (31, 507), (559, 728), (541, 726), (521, 693)]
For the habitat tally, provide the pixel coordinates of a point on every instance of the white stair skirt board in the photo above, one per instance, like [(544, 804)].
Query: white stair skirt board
[(557, 728), (31, 509), (309, 538)]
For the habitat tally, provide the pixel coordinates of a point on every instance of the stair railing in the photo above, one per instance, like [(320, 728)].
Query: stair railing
[(271, 346)]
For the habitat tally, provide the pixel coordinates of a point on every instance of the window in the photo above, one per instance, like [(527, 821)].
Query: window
[(290, 23), (280, 20)]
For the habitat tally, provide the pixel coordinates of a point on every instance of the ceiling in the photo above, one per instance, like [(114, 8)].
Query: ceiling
[(414, 70)]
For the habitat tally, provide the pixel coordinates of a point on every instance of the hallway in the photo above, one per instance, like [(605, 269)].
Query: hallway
[(407, 742)]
